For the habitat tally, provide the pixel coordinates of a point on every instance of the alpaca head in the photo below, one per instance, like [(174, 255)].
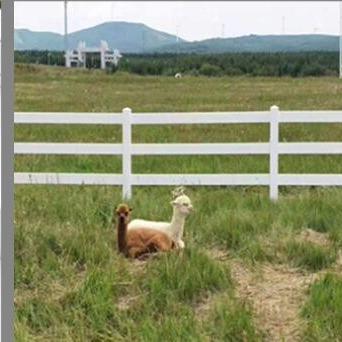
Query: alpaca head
[(182, 205), (177, 192), (123, 212)]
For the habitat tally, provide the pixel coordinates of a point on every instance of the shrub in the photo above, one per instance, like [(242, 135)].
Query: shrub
[(210, 70), (112, 68), (313, 70)]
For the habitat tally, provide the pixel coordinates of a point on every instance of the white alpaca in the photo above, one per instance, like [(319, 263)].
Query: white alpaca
[(181, 209)]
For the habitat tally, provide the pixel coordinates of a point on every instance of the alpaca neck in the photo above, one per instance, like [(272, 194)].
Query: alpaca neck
[(177, 224), (122, 234)]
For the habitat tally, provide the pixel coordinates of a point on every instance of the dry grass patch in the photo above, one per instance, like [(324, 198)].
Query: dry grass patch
[(205, 305), (314, 237), (126, 302), (276, 294), (217, 254)]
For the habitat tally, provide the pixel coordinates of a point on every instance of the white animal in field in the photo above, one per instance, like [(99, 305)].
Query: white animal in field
[(182, 207), (178, 75)]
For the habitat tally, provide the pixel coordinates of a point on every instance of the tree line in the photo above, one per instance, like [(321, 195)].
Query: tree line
[(296, 64)]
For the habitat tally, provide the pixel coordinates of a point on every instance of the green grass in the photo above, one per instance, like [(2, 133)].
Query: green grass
[(69, 274), (47, 89), (166, 284), (323, 310), (69, 278), (70, 281), (100, 92), (307, 255), (232, 321)]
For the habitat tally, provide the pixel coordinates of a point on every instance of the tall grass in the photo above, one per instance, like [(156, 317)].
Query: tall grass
[(307, 255), (70, 280), (323, 310)]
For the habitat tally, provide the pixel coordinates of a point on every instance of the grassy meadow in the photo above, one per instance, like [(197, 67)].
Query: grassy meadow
[(252, 270)]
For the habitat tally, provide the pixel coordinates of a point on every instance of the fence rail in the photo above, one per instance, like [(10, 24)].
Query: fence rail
[(126, 149), (176, 149), (178, 118)]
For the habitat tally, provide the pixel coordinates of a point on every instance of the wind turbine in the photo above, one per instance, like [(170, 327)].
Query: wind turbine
[(283, 25)]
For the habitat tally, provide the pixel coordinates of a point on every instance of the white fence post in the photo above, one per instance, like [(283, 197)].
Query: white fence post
[(274, 141), (126, 153)]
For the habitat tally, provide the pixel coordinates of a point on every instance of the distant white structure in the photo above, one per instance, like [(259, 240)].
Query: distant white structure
[(178, 75), (78, 58)]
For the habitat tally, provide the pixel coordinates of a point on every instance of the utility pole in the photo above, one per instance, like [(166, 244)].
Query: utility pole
[(66, 48), (177, 39), (65, 25), (112, 11), (143, 41)]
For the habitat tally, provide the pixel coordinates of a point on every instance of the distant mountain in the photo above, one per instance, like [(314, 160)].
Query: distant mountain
[(127, 37), (139, 38), (255, 43), (29, 40)]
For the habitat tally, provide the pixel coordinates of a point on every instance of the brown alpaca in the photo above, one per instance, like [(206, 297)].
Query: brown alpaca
[(138, 243)]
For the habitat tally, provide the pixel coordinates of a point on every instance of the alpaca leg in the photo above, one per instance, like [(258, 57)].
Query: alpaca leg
[(135, 246), (157, 243), (136, 252), (144, 256), (180, 244)]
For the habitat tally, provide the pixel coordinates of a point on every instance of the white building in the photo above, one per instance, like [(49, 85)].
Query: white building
[(78, 58)]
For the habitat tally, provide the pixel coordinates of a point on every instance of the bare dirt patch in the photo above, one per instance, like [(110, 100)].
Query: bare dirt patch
[(218, 254), (204, 307), (316, 238), (276, 294), (127, 302)]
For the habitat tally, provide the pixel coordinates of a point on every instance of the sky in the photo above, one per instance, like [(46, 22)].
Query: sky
[(190, 20)]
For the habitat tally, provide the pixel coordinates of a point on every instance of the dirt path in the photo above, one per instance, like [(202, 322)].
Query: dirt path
[(276, 294)]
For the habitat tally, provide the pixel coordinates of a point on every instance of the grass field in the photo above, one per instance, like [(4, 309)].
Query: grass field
[(252, 270)]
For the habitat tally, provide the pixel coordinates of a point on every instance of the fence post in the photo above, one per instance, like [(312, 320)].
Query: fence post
[(274, 140), (126, 153)]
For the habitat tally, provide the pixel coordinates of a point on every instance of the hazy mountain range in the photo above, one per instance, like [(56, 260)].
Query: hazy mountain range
[(139, 38), (127, 37)]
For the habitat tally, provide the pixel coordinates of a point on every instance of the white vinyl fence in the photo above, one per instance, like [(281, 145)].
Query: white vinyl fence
[(273, 148)]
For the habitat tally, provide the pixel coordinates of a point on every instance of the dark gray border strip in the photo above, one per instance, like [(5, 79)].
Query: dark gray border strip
[(7, 54)]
